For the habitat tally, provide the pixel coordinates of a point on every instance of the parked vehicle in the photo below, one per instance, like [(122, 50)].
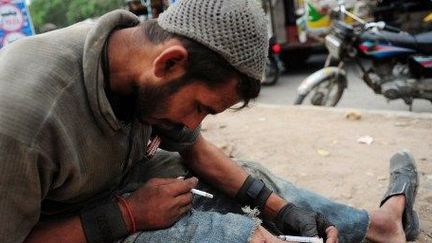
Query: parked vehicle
[(299, 27), (273, 66), (404, 14), (393, 63), (295, 46)]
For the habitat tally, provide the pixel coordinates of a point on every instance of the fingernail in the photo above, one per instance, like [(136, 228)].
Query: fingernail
[(180, 178)]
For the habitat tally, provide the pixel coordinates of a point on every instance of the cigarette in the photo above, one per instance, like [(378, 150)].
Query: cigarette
[(300, 239), (201, 193)]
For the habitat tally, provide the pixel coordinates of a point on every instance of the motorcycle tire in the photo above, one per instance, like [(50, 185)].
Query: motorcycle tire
[(315, 97), (272, 72)]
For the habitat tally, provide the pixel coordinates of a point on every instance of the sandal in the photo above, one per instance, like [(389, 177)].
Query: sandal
[(404, 180)]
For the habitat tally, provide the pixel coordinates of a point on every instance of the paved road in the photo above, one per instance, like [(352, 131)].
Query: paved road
[(357, 95)]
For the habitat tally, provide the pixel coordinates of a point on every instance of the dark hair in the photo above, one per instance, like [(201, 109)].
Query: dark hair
[(204, 64)]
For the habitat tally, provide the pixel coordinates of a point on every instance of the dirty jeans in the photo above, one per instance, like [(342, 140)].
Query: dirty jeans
[(221, 219)]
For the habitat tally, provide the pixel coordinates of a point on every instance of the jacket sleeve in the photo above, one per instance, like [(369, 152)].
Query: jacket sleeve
[(21, 189)]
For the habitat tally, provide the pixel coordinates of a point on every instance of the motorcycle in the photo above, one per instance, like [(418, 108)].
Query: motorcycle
[(392, 62), (273, 66)]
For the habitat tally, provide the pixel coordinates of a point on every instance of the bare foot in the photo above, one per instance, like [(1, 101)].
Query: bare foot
[(386, 222)]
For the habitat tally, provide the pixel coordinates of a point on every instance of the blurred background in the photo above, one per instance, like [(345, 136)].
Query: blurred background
[(297, 35)]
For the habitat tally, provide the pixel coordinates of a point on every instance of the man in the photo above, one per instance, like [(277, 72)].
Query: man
[(81, 123)]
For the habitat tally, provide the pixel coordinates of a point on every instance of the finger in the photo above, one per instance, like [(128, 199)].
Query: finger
[(193, 181), (184, 186), (332, 235), (309, 230), (183, 210), (184, 199), (161, 181), (322, 224)]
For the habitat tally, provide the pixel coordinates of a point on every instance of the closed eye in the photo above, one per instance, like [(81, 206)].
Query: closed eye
[(199, 108), (205, 109)]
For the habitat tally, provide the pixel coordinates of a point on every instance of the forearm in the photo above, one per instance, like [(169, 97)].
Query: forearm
[(210, 163), (66, 231)]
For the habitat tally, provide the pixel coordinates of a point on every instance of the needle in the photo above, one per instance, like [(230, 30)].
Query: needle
[(201, 193)]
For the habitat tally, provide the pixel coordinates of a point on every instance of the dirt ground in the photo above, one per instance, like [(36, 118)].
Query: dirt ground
[(317, 148)]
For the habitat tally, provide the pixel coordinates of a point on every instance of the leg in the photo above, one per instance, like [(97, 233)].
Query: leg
[(199, 226), (170, 165), (394, 221), (386, 222), (205, 223), (397, 214), (352, 223)]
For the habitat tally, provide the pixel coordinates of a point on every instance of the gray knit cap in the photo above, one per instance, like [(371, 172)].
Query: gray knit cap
[(236, 29)]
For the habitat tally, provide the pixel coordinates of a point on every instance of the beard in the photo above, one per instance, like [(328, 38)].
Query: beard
[(153, 99)]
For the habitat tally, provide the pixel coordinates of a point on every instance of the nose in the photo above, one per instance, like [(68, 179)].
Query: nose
[(193, 121)]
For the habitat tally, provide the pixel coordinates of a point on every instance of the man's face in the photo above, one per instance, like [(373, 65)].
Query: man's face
[(173, 105)]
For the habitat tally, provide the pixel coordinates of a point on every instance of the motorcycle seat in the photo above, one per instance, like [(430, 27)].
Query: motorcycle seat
[(424, 42), (420, 42)]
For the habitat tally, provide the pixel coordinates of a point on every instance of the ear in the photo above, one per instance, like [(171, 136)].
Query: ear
[(171, 62)]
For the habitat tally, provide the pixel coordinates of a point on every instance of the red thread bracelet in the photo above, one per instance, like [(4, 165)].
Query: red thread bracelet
[(129, 213)]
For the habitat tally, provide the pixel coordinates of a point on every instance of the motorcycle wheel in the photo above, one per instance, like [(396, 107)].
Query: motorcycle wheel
[(325, 93), (271, 72)]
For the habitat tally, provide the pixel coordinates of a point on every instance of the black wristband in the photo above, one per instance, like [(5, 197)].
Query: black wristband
[(103, 223), (262, 197), (242, 196), (253, 192)]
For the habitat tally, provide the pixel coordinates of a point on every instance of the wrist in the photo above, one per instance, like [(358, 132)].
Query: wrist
[(273, 206), (103, 222), (254, 192), (283, 217), (127, 214)]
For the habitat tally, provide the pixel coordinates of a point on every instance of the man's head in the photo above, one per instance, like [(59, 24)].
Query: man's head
[(235, 29), (223, 58)]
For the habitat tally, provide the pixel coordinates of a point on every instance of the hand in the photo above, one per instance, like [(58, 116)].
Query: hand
[(294, 220), (261, 235), (159, 203), (332, 235)]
